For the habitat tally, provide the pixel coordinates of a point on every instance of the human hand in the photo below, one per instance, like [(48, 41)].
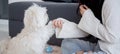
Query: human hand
[(57, 23), (83, 8)]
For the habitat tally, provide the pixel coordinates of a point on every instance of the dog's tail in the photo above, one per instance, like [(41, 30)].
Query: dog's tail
[(3, 45)]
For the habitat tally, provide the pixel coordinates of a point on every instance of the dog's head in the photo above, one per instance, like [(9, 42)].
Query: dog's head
[(35, 16)]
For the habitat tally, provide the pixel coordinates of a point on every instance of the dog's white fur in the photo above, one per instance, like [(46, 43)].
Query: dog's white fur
[(3, 45), (34, 35)]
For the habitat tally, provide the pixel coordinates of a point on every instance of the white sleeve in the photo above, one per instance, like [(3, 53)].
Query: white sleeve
[(69, 30), (90, 24)]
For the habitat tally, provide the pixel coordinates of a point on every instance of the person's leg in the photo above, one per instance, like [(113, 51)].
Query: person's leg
[(70, 46), (97, 50)]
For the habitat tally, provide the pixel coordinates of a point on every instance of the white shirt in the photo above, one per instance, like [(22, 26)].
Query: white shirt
[(109, 31)]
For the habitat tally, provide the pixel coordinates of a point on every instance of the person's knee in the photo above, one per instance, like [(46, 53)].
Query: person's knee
[(69, 46), (75, 44), (66, 43)]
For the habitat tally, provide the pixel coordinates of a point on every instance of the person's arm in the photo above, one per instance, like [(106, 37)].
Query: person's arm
[(109, 30)]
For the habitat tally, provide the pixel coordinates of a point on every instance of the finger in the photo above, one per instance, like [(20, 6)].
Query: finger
[(59, 23), (85, 7), (53, 22), (56, 23), (60, 26), (82, 8)]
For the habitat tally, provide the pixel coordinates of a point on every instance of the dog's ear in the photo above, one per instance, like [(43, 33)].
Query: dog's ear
[(27, 18), (29, 15)]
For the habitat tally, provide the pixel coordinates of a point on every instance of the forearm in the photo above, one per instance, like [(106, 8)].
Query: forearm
[(90, 24)]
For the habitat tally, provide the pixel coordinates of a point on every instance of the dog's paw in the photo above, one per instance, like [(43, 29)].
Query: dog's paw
[(50, 28), (50, 25)]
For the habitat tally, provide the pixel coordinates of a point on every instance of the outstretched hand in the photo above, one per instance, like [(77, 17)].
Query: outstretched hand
[(57, 23)]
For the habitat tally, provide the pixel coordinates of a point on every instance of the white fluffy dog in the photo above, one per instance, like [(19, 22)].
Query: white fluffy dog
[(34, 35)]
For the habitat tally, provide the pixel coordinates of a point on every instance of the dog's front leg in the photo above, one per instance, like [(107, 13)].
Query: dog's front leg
[(50, 29)]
